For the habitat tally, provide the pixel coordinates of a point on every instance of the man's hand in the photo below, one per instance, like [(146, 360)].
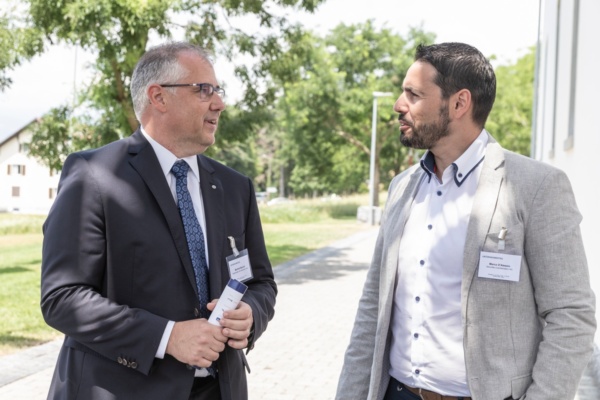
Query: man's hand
[(196, 342), (236, 324)]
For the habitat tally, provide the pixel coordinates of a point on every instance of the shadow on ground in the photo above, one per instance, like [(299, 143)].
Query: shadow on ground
[(323, 264)]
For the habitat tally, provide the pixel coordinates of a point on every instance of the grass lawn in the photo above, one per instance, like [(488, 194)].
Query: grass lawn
[(291, 230), (22, 324)]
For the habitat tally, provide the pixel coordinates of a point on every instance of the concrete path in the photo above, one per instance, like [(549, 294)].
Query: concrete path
[(300, 354)]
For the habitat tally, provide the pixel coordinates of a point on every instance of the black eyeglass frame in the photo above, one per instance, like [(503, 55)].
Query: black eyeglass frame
[(214, 89)]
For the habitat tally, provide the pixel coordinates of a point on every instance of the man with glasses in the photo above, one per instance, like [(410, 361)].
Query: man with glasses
[(136, 247)]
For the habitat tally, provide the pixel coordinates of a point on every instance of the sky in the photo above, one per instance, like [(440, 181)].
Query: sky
[(503, 28)]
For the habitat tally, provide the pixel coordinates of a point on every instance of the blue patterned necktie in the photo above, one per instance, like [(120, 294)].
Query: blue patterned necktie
[(193, 233)]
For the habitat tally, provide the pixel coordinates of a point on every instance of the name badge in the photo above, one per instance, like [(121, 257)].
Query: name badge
[(239, 263), (505, 267)]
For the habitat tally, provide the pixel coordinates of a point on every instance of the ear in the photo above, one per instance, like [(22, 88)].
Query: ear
[(156, 95), (460, 103)]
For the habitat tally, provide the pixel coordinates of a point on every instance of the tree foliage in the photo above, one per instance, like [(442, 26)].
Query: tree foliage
[(326, 112), (119, 31), (306, 112), (17, 44), (510, 119)]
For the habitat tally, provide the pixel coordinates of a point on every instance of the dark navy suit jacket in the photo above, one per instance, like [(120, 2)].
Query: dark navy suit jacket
[(116, 269)]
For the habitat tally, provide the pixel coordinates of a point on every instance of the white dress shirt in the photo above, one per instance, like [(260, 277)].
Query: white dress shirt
[(166, 160), (427, 330)]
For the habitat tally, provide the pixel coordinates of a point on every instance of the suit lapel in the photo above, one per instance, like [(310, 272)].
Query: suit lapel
[(399, 204), (145, 162), (484, 206), (213, 197)]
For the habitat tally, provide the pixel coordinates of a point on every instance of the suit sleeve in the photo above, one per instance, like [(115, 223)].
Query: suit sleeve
[(557, 263), (73, 274), (262, 289)]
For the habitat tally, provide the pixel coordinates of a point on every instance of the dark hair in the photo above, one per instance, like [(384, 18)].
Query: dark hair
[(460, 66)]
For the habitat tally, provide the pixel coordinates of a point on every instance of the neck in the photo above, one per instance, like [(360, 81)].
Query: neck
[(448, 149)]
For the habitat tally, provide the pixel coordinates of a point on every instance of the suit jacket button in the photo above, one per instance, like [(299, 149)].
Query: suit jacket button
[(119, 360), (134, 365), (196, 312)]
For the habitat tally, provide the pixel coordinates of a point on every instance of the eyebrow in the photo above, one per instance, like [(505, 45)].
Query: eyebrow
[(412, 90)]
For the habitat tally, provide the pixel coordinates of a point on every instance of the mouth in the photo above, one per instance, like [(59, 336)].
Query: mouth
[(212, 121), (404, 125)]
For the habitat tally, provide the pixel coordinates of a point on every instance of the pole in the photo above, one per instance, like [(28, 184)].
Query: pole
[(372, 187), (372, 163)]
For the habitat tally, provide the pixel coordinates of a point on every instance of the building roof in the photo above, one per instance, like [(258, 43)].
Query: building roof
[(12, 135)]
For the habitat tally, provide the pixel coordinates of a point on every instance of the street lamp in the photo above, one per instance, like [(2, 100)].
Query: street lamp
[(372, 163)]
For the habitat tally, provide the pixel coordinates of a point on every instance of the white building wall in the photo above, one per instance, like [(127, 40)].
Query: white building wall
[(37, 187), (567, 105)]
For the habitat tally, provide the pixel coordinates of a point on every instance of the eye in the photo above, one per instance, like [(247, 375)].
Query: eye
[(206, 90)]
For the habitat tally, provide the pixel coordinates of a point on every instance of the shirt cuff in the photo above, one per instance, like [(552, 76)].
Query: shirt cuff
[(162, 347)]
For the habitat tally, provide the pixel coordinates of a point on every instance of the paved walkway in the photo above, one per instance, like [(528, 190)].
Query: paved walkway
[(300, 354)]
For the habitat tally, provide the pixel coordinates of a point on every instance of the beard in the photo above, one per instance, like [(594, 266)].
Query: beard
[(425, 136)]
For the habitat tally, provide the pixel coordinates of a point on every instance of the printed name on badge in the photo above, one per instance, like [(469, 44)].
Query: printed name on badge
[(505, 267), (239, 263)]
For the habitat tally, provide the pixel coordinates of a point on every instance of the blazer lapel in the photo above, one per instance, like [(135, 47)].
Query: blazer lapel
[(484, 205), (399, 204), (145, 162), (213, 197)]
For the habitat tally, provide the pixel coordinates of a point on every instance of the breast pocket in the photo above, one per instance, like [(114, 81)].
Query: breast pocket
[(508, 242)]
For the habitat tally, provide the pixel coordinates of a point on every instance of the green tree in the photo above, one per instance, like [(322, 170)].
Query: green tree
[(510, 119), (17, 44), (327, 111), (118, 31)]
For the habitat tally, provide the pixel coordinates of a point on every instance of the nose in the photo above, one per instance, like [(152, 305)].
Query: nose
[(217, 102), (400, 105)]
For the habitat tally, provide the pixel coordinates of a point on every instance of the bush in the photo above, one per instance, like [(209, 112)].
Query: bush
[(12, 224), (307, 211)]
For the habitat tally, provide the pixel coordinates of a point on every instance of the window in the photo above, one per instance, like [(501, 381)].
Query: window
[(16, 169), (16, 191), (23, 147)]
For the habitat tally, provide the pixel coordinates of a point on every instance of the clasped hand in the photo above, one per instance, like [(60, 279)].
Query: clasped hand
[(196, 342)]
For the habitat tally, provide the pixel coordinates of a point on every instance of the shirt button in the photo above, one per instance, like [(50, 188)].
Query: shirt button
[(439, 192), (422, 262), (430, 227), (416, 335), (459, 175), (417, 299), (417, 371)]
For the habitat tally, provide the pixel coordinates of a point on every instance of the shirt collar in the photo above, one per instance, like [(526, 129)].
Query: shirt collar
[(465, 164), (167, 159)]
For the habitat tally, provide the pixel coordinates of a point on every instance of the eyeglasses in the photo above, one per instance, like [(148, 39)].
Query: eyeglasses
[(206, 90)]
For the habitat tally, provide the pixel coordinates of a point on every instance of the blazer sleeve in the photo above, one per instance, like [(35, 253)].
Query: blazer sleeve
[(73, 272), (262, 289), (557, 263)]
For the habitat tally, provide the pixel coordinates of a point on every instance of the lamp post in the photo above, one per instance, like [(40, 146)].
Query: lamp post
[(372, 188)]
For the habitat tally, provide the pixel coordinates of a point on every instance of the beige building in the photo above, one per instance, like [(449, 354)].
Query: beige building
[(26, 186)]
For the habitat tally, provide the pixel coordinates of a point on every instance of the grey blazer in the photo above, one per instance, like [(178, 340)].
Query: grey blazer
[(531, 338)]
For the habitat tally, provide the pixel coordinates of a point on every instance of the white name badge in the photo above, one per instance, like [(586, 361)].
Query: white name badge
[(239, 266), (506, 267)]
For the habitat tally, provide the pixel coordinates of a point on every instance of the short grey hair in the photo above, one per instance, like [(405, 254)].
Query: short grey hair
[(160, 64)]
